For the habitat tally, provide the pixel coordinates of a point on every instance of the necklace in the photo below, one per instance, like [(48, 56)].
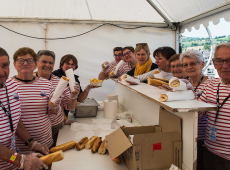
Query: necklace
[(199, 82), (26, 81)]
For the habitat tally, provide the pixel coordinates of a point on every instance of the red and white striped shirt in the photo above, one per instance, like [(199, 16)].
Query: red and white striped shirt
[(202, 121), (122, 70), (5, 131), (34, 98), (221, 146), (59, 117)]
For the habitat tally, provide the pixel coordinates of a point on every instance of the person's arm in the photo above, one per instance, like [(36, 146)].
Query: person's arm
[(145, 76), (23, 134), (29, 162), (103, 75), (5, 155)]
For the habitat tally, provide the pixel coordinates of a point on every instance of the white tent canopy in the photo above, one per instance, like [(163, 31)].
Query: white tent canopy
[(132, 12), (45, 19)]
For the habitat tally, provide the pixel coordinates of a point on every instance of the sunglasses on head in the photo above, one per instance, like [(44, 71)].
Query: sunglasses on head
[(142, 44)]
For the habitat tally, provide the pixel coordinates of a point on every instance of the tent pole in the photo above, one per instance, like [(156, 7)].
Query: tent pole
[(161, 13), (211, 51), (177, 33)]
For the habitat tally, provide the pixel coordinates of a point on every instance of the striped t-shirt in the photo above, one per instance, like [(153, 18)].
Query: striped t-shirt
[(59, 117), (221, 146), (5, 131), (122, 70), (202, 121), (34, 98)]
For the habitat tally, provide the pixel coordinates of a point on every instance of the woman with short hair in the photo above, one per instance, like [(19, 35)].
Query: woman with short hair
[(193, 63), (34, 94), (176, 67)]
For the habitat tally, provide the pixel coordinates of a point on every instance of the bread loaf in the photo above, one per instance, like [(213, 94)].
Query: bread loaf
[(102, 148), (81, 144), (156, 72), (175, 83), (156, 82), (53, 157), (96, 145), (117, 159), (112, 73), (90, 142), (64, 147), (163, 98)]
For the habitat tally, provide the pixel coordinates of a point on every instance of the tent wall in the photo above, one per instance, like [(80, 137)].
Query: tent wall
[(91, 49)]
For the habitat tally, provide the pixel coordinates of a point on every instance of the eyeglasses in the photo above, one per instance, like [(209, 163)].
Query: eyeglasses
[(192, 64), (22, 60), (176, 66), (127, 53), (46, 62), (72, 65), (143, 44), (220, 61), (119, 55)]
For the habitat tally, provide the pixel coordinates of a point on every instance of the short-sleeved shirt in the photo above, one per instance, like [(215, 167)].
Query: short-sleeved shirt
[(34, 98), (59, 117), (5, 131), (221, 146)]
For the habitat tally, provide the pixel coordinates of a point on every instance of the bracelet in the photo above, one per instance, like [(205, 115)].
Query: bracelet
[(22, 162), (35, 142), (27, 142), (13, 157)]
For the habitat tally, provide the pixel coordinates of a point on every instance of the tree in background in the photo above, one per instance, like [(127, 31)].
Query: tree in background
[(207, 47)]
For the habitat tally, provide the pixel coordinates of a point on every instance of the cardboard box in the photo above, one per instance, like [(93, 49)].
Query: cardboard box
[(154, 147)]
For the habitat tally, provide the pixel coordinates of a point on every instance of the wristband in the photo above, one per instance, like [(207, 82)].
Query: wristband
[(13, 157), (27, 142)]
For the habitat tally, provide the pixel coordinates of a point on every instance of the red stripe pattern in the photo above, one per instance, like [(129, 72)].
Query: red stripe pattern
[(5, 132), (56, 119), (202, 122), (221, 146), (34, 98), (122, 70)]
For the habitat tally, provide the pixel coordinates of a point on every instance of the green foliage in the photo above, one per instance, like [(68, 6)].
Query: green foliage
[(207, 47)]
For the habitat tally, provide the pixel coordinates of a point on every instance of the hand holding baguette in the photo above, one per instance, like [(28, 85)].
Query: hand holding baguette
[(53, 157), (96, 145), (81, 144)]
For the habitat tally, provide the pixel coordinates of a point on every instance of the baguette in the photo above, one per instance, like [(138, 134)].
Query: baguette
[(64, 146), (65, 78), (96, 145), (163, 98), (165, 80), (175, 83), (53, 157), (112, 73), (102, 148), (117, 159), (156, 82), (156, 72), (90, 142), (81, 144)]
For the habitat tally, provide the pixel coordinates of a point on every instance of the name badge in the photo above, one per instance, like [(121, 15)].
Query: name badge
[(12, 142), (212, 133)]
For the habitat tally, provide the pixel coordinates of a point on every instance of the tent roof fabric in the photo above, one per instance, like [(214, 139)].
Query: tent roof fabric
[(114, 10)]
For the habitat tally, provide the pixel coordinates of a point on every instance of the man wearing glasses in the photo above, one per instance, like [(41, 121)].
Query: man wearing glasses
[(217, 92), (118, 56), (12, 126)]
